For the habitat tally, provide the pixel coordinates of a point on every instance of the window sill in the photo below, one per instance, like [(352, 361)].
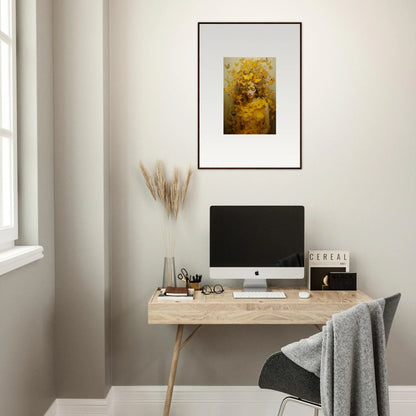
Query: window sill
[(19, 256)]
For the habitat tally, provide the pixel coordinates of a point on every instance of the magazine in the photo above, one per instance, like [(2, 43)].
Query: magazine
[(322, 262)]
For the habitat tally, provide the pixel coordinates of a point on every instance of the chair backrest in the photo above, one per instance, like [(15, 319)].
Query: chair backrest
[(389, 311)]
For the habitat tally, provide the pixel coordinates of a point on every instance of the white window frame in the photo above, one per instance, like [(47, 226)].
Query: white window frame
[(11, 256), (9, 234)]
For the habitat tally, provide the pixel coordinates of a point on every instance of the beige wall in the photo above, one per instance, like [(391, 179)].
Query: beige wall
[(357, 182), (81, 199), (27, 294)]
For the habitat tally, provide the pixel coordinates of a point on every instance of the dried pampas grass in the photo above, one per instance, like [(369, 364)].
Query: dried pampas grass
[(160, 180), (186, 184), (170, 194), (175, 194), (149, 180), (166, 199)]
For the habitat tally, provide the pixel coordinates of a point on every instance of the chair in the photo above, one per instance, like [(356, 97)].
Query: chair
[(282, 374)]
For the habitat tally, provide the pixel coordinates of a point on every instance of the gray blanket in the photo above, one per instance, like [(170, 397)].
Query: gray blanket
[(349, 357)]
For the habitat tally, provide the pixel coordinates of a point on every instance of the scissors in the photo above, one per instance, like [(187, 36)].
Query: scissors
[(184, 275)]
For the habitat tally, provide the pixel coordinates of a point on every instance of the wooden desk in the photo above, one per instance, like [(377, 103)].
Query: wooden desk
[(223, 309)]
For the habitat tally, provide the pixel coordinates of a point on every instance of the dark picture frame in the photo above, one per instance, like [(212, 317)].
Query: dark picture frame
[(249, 95)]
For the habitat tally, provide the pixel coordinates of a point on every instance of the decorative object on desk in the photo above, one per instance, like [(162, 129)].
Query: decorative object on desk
[(190, 281), (217, 289), (244, 121), (169, 272), (189, 294), (322, 262), (176, 291), (172, 195), (194, 281), (342, 281)]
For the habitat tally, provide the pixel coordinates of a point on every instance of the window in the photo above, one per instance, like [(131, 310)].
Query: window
[(8, 149), (11, 256)]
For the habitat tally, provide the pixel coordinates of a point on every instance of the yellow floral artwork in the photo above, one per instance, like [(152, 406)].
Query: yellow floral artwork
[(250, 95)]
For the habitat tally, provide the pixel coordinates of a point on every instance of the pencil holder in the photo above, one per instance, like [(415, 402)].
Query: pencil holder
[(195, 286)]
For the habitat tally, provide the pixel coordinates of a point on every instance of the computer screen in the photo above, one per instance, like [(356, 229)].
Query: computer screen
[(257, 242)]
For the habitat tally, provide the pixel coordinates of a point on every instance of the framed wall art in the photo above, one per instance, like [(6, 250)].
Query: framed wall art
[(249, 95)]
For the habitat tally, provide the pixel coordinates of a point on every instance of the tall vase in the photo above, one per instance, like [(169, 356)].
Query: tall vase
[(169, 276)]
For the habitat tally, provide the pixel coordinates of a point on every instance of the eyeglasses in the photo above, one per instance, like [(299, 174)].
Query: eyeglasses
[(217, 289)]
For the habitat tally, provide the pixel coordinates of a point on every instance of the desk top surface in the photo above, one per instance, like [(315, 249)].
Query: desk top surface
[(223, 309)]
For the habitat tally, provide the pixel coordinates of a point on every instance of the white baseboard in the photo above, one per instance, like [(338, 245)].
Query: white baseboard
[(402, 400), (82, 407), (205, 400), (53, 410)]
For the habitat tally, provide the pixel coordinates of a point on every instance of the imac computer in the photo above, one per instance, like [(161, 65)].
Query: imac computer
[(256, 243)]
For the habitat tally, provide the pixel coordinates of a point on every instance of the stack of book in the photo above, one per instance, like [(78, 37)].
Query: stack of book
[(176, 293)]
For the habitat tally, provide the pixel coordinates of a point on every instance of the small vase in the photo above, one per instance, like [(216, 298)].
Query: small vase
[(169, 277)]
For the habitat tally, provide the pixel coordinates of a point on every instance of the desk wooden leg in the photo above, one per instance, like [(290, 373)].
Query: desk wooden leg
[(173, 367)]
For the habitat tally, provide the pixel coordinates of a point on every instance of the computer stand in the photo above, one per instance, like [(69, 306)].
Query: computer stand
[(255, 285)]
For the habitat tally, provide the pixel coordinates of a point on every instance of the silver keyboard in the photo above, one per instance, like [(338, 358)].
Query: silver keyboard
[(259, 295)]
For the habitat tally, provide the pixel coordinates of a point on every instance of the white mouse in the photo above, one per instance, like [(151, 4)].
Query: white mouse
[(304, 295)]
